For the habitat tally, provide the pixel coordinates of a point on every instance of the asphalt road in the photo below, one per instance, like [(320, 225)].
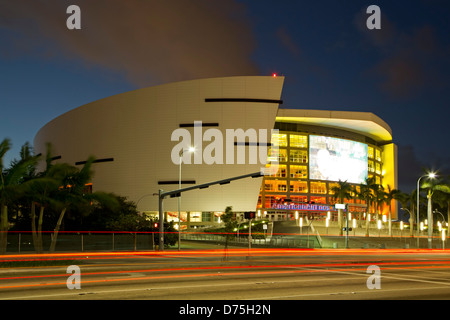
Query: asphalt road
[(235, 274)]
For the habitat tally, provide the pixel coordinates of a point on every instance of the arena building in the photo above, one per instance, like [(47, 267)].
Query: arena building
[(140, 137)]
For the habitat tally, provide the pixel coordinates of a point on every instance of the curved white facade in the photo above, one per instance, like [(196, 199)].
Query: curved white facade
[(131, 134)]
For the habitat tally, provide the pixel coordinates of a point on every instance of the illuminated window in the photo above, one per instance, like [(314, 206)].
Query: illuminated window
[(271, 201), (281, 173), (371, 166), (298, 141), (196, 217), (330, 187), (297, 199), (377, 155), (281, 155), (377, 168), (299, 156), (282, 139), (318, 187), (206, 216), (299, 186), (299, 172), (319, 200), (370, 152), (275, 185), (268, 186)]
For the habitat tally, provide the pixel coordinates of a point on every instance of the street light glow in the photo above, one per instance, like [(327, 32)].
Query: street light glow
[(429, 175)]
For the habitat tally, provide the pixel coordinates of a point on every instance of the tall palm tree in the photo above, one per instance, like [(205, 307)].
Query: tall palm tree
[(405, 199), (443, 200), (366, 194), (341, 192), (45, 196), (12, 187), (72, 193), (433, 186), (380, 199), (391, 194)]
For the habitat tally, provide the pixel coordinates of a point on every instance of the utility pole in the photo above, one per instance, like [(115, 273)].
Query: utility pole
[(177, 193), (249, 234)]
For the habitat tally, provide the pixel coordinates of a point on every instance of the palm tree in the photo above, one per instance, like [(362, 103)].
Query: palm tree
[(390, 195), (45, 196), (45, 193), (380, 198), (366, 194), (12, 187), (404, 199), (341, 192), (230, 225), (72, 193), (443, 200), (433, 186)]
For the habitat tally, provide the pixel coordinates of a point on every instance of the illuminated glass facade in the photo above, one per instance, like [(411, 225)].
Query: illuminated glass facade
[(293, 189)]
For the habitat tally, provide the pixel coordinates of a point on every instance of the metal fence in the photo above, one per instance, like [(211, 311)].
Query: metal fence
[(23, 242), (242, 241)]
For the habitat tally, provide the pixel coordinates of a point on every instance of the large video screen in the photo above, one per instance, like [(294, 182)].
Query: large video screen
[(336, 159)]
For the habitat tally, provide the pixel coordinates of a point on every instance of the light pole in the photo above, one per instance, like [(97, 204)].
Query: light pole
[(410, 221), (443, 238), (429, 175), (443, 219), (191, 150)]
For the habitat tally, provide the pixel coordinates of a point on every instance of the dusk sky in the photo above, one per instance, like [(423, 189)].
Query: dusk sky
[(330, 59)]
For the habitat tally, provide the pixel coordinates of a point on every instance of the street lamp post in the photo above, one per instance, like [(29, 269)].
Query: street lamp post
[(429, 175), (191, 149), (410, 220), (443, 238)]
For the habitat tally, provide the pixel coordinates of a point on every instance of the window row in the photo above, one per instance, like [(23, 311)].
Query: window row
[(295, 140), (270, 201), (282, 155), (316, 187), (374, 167), (295, 171), (373, 153)]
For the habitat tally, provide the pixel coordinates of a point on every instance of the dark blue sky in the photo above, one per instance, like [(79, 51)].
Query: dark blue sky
[(330, 60)]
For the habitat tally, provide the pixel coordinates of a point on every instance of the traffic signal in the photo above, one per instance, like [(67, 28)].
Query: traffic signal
[(249, 215), (156, 225)]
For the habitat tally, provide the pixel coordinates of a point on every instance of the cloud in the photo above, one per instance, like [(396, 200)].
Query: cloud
[(401, 75), (301, 59), (409, 60), (148, 41), (287, 41)]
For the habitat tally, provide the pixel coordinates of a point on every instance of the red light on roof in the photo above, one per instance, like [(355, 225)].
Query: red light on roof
[(274, 75)]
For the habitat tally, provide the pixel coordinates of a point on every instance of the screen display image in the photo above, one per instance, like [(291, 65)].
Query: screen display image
[(335, 159)]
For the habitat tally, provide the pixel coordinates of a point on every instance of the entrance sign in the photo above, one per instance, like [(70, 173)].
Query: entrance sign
[(304, 207)]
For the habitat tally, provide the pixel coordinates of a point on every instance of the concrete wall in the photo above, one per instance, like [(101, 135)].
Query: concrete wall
[(135, 128)]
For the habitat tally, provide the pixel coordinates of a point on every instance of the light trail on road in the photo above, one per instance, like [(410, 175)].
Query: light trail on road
[(210, 264)]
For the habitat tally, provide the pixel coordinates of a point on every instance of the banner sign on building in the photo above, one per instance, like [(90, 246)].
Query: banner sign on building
[(304, 207)]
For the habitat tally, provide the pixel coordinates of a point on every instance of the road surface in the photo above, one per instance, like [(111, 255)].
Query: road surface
[(235, 274)]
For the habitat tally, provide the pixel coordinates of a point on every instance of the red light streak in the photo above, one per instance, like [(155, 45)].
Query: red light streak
[(216, 275), (217, 252), (417, 264)]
